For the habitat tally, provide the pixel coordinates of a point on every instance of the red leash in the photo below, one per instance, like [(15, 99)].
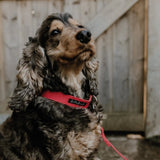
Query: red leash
[(76, 103), (109, 144)]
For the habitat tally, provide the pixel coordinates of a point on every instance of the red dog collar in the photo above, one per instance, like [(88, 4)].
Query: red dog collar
[(76, 103), (67, 99)]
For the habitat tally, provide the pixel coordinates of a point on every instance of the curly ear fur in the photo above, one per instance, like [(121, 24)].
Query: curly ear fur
[(31, 68), (90, 72)]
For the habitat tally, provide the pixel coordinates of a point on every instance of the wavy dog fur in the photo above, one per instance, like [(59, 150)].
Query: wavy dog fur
[(58, 58)]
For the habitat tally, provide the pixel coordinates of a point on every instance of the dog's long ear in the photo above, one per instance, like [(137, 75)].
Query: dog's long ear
[(30, 75), (91, 77)]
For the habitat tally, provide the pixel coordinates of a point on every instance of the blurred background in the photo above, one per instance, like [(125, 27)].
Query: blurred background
[(127, 35)]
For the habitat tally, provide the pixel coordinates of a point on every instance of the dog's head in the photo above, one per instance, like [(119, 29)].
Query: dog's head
[(65, 40)]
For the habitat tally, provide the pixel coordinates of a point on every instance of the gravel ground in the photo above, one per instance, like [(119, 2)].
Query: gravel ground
[(132, 149)]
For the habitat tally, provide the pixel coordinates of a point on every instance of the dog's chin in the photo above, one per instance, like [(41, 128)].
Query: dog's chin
[(80, 57), (85, 55)]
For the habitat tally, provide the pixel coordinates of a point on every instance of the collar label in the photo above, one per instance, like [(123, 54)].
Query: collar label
[(73, 101)]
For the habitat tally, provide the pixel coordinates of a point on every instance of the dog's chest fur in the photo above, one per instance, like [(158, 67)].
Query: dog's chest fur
[(75, 82), (75, 133), (81, 138), (72, 77), (82, 144)]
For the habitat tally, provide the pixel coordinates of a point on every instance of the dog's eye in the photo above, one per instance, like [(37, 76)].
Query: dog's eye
[(80, 26), (55, 32)]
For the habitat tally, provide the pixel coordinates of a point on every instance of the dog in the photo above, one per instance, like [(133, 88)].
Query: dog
[(59, 58)]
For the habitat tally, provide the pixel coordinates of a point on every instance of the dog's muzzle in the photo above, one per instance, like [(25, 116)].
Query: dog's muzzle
[(84, 36)]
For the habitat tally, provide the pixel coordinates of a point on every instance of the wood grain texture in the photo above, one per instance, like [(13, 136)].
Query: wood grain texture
[(104, 45), (124, 122), (153, 76), (37, 15), (108, 15), (55, 6), (10, 43), (24, 14), (121, 55), (145, 60), (136, 57), (120, 65), (2, 76), (105, 77), (118, 27)]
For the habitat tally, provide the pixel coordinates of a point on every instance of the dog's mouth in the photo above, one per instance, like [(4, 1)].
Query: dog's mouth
[(83, 56)]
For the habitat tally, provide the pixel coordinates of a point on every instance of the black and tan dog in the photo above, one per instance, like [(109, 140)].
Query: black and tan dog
[(59, 58)]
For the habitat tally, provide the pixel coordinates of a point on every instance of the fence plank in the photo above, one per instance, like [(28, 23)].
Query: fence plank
[(104, 45), (24, 11), (136, 57), (145, 60), (120, 65), (68, 6), (37, 15), (2, 77), (124, 122), (153, 77), (105, 78), (87, 11), (121, 69), (10, 35), (110, 13), (55, 6)]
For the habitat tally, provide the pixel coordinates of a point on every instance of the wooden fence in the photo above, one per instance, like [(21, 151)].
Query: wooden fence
[(118, 27)]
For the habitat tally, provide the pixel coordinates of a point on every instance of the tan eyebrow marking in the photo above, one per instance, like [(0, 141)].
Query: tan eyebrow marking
[(56, 24), (73, 22)]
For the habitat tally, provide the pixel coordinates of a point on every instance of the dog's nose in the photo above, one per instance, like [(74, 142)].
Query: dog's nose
[(84, 36)]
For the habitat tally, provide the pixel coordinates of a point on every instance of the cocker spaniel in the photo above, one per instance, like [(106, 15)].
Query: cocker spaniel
[(60, 58)]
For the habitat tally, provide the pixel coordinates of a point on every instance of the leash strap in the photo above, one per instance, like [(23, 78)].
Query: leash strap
[(109, 144), (76, 103)]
